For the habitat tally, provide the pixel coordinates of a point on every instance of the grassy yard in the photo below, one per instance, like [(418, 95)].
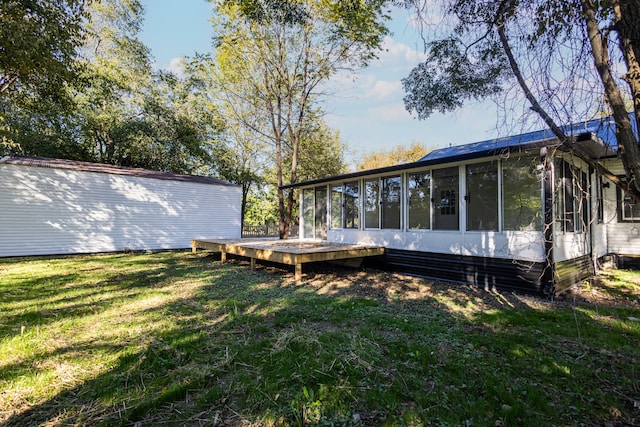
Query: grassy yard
[(177, 339)]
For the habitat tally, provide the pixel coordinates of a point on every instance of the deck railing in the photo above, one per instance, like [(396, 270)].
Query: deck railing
[(267, 230)]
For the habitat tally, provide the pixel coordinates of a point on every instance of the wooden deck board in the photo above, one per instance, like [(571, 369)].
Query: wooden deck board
[(291, 252)]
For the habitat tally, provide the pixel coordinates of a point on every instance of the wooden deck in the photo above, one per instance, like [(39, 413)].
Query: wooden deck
[(291, 252)]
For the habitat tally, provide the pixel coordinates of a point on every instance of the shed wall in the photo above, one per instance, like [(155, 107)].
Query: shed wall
[(58, 211)]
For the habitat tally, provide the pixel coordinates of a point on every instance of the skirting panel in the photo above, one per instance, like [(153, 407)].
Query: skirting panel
[(488, 273), (568, 273)]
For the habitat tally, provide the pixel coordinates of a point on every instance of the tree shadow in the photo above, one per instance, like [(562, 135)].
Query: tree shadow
[(246, 345)]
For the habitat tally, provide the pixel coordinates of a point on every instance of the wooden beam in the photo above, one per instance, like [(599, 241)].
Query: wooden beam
[(298, 273)]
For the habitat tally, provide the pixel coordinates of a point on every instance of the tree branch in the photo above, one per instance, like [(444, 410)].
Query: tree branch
[(557, 130)]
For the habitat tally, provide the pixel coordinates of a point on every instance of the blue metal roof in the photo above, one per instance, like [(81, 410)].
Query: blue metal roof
[(604, 128)]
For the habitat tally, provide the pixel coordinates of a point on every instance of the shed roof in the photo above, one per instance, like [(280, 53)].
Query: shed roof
[(596, 137), (74, 165)]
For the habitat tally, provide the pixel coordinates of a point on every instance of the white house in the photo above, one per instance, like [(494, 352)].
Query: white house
[(518, 212), (52, 206)]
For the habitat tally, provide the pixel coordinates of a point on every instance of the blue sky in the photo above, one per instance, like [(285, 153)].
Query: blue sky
[(368, 110)]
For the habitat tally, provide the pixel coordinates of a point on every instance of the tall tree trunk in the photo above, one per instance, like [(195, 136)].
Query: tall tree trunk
[(628, 148)]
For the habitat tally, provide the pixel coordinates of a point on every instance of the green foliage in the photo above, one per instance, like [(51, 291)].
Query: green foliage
[(452, 75), (38, 49), (124, 113)]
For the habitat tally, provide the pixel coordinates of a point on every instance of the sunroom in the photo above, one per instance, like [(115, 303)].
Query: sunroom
[(508, 213)]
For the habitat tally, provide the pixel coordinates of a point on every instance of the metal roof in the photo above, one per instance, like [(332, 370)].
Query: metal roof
[(74, 165), (602, 128), (596, 136)]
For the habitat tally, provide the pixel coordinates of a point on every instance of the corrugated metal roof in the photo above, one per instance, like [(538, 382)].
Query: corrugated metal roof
[(74, 165), (603, 128)]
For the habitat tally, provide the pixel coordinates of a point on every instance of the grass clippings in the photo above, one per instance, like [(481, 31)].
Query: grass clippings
[(176, 339)]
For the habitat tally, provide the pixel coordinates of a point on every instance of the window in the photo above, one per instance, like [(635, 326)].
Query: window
[(445, 194), (565, 214), (521, 194), (372, 204), (600, 200), (336, 206), (482, 196), (351, 195), (630, 208), (419, 185), (307, 212), (321, 213), (391, 196), (581, 204), (572, 198)]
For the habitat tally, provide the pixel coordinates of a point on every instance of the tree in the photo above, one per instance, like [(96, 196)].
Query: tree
[(129, 115), (563, 56), (38, 48), (394, 156), (239, 153), (283, 50), (125, 113)]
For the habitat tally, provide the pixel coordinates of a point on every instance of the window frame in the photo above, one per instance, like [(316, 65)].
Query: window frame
[(376, 203), (484, 167), (621, 202), (429, 197)]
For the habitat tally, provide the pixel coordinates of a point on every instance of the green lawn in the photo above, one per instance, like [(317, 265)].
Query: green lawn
[(177, 339)]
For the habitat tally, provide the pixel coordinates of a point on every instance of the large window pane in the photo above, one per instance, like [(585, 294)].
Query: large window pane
[(482, 196), (521, 194), (351, 204), (419, 200), (307, 212), (372, 204), (391, 195), (321, 213), (336, 206), (445, 194)]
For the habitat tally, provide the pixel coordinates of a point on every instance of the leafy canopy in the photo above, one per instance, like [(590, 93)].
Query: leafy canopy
[(38, 48)]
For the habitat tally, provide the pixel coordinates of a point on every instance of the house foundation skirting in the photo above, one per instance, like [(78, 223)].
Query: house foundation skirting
[(489, 273), (568, 273)]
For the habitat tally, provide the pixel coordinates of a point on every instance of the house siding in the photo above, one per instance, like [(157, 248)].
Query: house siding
[(48, 210), (521, 245)]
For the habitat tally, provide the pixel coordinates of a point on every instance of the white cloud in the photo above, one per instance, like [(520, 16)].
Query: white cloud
[(176, 66), (386, 89), (390, 113), (399, 56)]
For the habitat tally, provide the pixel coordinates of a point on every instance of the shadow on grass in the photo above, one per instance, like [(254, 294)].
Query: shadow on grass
[(345, 347)]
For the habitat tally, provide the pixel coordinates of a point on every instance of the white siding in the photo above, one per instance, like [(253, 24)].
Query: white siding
[(520, 245), (60, 211), (620, 238), (623, 238)]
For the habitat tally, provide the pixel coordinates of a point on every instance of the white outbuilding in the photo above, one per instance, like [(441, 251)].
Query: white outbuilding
[(53, 206)]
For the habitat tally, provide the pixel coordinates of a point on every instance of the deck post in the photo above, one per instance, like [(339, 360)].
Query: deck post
[(253, 263), (193, 247), (223, 257), (298, 274)]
